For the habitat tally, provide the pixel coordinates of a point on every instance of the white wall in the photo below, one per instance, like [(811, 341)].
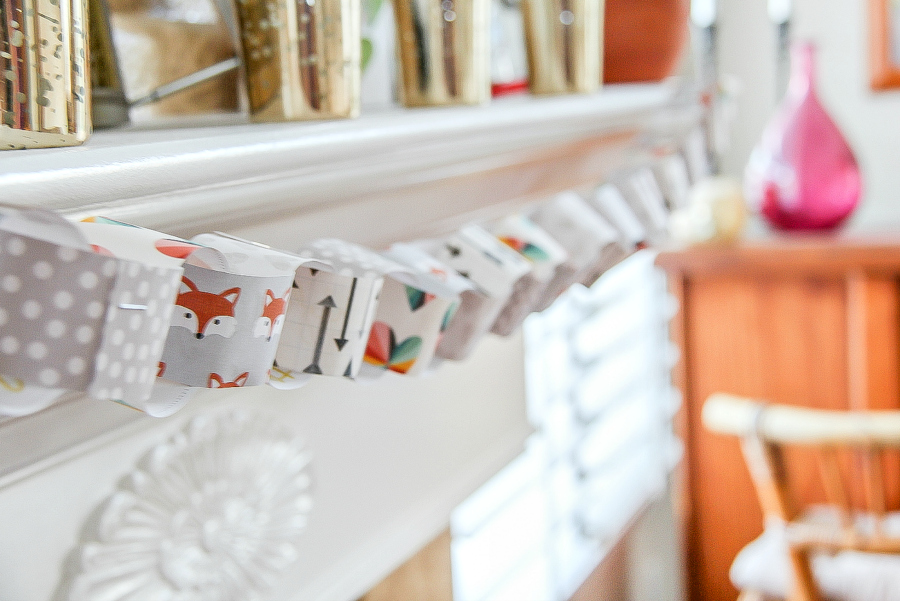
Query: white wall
[(870, 120), (390, 460)]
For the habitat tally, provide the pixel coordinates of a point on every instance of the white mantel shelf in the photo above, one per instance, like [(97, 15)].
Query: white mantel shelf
[(436, 167), (392, 458)]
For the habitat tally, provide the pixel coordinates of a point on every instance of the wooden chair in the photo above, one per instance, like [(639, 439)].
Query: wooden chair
[(814, 539)]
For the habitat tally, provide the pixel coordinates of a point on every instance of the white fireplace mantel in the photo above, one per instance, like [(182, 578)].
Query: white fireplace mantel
[(391, 459), (412, 171)]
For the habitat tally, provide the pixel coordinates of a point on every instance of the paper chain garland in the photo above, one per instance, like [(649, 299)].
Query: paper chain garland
[(144, 319)]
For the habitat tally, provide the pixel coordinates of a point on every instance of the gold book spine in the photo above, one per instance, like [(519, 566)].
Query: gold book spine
[(44, 100), (302, 58), (563, 43), (444, 51), (109, 105)]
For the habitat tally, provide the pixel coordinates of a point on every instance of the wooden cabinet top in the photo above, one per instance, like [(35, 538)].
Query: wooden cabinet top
[(789, 255)]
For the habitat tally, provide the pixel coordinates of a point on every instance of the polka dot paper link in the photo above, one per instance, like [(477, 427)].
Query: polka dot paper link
[(148, 269), (49, 327), (74, 316), (134, 333)]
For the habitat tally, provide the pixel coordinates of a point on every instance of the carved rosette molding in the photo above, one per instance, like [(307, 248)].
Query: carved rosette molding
[(212, 514)]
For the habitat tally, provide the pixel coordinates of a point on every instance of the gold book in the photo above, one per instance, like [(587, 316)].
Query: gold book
[(44, 94), (302, 58), (563, 44), (444, 50)]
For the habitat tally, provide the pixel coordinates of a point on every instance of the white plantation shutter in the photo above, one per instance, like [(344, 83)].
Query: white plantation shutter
[(601, 402)]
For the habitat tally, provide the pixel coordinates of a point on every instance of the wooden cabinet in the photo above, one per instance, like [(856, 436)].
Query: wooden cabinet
[(806, 321)]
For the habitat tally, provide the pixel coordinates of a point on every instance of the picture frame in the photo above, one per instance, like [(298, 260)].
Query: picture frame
[(884, 40)]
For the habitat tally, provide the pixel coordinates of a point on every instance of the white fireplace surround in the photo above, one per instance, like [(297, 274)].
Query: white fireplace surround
[(389, 460)]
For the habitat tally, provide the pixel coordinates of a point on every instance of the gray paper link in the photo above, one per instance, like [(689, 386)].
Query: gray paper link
[(609, 202), (53, 301), (642, 192), (353, 260), (95, 323), (527, 291), (494, 268), (432, 275), (225, 328), (524, 297), (474, 317), (592, 243), (672, 173), (134, 334)]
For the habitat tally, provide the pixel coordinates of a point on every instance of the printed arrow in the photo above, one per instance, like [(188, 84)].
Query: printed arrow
[(327, 305), (496, 260), (340, 342)]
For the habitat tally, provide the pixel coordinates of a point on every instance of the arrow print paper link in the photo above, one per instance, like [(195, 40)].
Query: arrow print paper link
[(340, 342), (327, 305)]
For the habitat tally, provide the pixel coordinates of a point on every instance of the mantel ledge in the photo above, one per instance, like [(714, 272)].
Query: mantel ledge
[(238, 174)]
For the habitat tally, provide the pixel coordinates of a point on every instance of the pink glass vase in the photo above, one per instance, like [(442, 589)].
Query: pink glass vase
[(802, 175)]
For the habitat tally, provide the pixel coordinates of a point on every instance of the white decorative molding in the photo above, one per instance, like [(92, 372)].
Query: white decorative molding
[(212, 514), (441, 164)]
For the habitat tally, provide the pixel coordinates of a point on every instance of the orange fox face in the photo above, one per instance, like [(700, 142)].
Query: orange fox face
[(215, 381), (272, 319), (205, 313)]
